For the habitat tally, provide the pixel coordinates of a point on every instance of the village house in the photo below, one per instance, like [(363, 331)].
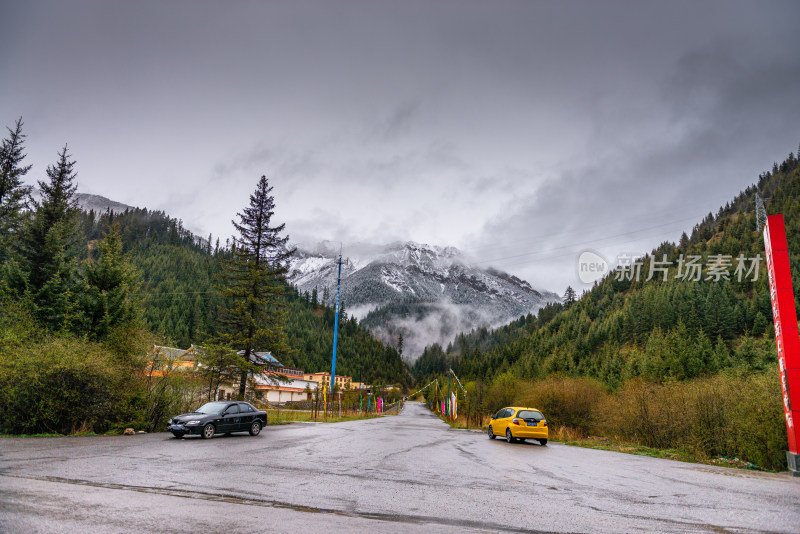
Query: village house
[(275, 383), (279, 384), (344, 382), (164, 361), (324, 380)]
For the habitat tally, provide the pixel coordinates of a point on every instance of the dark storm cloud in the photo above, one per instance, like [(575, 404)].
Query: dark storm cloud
[(723, 109), (398, 123), (509, 129)]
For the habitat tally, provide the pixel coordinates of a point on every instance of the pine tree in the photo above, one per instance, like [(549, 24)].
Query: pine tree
[(107, 301), (218, 364), (49, 245), (683, 244), (252, 283), (759, 324), (569, 296), (13, 193)]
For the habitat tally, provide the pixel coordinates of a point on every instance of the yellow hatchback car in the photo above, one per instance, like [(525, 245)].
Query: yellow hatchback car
[(517, 423)]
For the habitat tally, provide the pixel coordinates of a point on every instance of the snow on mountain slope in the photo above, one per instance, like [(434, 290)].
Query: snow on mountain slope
[(427, 293), (88, 202)]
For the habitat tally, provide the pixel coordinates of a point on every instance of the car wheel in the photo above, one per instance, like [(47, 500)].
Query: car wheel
[(255, 428), (491, 433), (543, 441), (208, 431), (509, 437), (177, 435)]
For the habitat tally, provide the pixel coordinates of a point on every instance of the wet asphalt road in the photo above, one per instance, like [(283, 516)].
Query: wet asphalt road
[(395, 474)]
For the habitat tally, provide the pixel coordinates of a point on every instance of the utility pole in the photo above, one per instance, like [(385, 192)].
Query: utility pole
[(336, 322), (450, 411), (761, 213)]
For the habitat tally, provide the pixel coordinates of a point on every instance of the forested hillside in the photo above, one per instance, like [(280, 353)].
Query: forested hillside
[(687, 363), (656, 329), (177, 272), (85, 296)]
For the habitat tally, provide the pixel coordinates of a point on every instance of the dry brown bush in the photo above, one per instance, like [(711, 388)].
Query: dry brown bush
[(727, 415), (566, 402), (732, 416)]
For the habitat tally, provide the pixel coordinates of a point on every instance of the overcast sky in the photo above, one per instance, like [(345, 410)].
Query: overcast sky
[(520, 132)]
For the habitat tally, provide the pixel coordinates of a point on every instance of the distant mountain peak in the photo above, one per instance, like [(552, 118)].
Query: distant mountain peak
[(89, 202), (427, 292)]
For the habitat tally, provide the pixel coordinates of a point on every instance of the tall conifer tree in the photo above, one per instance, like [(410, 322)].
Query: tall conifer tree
[(569, 296), (108, 301), (13, 193), (252, 283), (49, 245)]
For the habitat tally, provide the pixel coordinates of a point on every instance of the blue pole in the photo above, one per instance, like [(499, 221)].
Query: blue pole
[(336, 323)]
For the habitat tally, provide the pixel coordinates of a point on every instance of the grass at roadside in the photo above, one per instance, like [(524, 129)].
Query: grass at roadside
[(31, 436), (629, 448), (284, 417), (569, 436), (49, 435), (276, 417), (682, 455)]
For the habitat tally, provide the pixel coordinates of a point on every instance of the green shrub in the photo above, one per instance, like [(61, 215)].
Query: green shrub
[(757, 426), (502, 392), (726, 415), (60, 386), (650, 414)]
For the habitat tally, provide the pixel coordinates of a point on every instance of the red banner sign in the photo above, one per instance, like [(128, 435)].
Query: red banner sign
[(784, 313)]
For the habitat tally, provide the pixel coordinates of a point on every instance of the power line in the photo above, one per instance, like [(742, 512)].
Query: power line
[(174, 293), (582, 243), (571, 253), (159, 295), (616, 223)]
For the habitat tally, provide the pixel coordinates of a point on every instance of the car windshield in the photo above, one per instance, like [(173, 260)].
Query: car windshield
[(530, 414), (212, 407)]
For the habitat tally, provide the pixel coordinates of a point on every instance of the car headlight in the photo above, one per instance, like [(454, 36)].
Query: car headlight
[(193, 423)]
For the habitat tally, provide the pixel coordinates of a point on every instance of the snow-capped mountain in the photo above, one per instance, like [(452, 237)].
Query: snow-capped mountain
[(89, 202), (427, 293)]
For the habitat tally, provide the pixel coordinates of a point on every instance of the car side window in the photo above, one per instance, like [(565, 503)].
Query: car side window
[(244, 407), (233, 408), (499, 414)]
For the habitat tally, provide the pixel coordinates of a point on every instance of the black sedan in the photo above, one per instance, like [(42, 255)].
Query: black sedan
[(221, 417)]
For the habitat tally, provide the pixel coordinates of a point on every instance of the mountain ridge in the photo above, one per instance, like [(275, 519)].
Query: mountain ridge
[(656, 330), (407, 288), (90, 202)]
